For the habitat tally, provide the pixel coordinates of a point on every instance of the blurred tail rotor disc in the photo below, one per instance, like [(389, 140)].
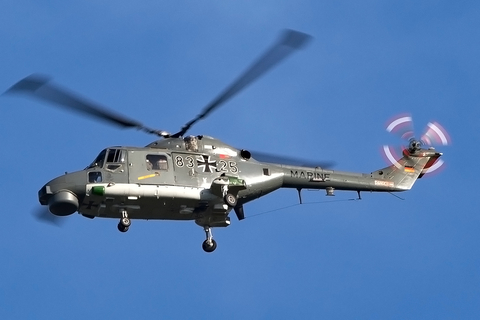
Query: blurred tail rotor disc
[(402, 126), (435, 134)]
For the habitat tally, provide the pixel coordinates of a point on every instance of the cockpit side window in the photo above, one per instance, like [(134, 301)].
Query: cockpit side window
[(94, 177), (156, 162)]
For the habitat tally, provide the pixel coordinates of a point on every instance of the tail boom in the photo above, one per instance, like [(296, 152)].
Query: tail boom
[(398, 177)]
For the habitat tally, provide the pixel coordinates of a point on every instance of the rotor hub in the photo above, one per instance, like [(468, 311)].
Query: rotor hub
[(414, 145)]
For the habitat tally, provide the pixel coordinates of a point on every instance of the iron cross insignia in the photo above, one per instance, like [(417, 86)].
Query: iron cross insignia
[(207, 165)]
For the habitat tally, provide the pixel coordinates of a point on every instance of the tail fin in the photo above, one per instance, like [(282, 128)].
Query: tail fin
[(408, 169)]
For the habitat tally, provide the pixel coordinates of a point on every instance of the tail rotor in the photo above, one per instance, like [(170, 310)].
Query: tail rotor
[(402, 126)]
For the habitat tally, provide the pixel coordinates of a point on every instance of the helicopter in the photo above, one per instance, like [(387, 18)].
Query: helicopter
[(199, 178)]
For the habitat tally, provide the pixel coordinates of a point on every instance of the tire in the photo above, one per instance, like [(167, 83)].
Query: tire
[(122, 228), (230, 200), (209, 247)]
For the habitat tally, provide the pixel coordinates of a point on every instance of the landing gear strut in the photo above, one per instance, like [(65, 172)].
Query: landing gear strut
[(125, 222), (209, 245)]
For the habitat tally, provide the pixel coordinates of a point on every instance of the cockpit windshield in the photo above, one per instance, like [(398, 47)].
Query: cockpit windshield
[(99, 160), (109, 156), (116, 156)]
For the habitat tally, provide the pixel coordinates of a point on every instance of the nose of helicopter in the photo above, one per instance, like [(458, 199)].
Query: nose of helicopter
[(64, 194)]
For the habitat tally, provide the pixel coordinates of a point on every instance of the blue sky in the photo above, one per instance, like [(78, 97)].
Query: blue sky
[(161, 62)]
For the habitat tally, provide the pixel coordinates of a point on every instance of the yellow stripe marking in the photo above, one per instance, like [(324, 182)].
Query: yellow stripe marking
[(149, 176)]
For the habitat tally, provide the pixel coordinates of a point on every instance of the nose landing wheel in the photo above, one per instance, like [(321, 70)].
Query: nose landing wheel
[(230, 200), (209, 245)]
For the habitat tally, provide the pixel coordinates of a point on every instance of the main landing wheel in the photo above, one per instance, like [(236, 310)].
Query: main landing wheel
[(209, 245), (230, 200)]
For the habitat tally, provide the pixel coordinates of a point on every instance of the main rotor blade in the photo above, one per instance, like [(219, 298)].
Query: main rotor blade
[(41, 88), (289, 41), (43, 215), (276, 159)]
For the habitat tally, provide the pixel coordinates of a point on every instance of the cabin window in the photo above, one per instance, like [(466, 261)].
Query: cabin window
[(191, 143), (156, 162)]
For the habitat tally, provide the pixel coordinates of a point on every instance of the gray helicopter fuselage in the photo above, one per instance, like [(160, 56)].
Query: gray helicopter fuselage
[(187, 179)]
